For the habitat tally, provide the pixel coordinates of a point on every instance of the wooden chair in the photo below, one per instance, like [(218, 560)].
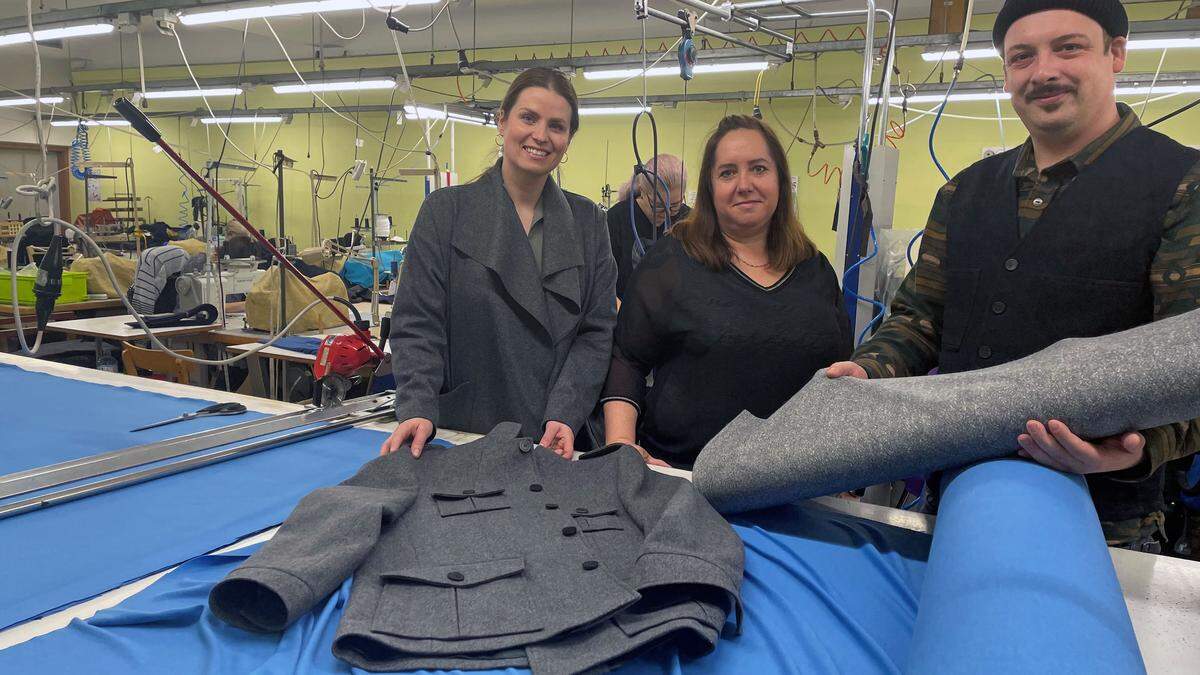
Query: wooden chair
[(158, 363)]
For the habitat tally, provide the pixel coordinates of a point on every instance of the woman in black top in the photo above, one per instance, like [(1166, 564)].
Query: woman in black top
[(735, 310)]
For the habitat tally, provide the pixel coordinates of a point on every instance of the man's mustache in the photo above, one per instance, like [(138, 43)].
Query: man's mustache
[(1047, 91)]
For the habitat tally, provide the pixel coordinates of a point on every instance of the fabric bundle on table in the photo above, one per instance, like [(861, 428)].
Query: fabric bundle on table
[(497, 554), (842, 434)]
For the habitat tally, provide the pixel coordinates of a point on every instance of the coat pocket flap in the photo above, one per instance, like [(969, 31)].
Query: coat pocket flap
[(461, 501), (459, 576), (453, 494), (598, 519)]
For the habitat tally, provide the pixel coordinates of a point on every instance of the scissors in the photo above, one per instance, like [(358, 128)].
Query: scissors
[(216, 409)]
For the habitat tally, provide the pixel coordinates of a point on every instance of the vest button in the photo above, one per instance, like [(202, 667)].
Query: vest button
[(985, 352), (536, 487), (468, 492), (551, 507), (1011, 264), (569, 531), (456, 576), (998, 307), (589, 565)]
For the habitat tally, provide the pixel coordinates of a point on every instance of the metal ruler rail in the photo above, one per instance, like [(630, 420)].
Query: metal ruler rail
[(53, 475), (125, 480)]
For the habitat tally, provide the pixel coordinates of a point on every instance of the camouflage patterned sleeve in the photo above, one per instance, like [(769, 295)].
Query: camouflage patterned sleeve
[(909, 340), (1175, 281)]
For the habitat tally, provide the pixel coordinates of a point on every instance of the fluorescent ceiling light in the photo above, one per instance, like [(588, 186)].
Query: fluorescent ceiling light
[(1132, 45), (1163, 43), (282, 9), (192, 93), (46, 100), (937, 98), (612, 110), (352, 85), (730, 67), (426, 113), (91, 123), (57, 33), (244, 119), (1158, 89), (952, 54)]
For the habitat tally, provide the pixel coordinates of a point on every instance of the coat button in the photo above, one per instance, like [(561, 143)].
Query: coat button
[(569, 531), (456, 576), (536, 487), (589, 565), (551, 507), (581, 510), (985, 352), (1038, 201), (526, 445), (998, 307), (1011, 264), (468, 492)]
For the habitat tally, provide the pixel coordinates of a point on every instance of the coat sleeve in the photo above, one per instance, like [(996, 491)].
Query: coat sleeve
[(321, 544), (578, 387), (686, 542), (418, 331)]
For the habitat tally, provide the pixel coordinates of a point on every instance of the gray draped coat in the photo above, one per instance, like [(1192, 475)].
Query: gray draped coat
[(479, 335)]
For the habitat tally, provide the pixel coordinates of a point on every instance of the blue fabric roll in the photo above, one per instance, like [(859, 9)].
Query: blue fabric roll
[(1019, 580)]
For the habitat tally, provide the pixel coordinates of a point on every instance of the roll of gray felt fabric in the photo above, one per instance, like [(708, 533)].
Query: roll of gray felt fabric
[(847, 433)]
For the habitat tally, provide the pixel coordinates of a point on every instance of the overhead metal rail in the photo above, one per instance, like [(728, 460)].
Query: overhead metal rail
[(1175, 28), (54, 475)]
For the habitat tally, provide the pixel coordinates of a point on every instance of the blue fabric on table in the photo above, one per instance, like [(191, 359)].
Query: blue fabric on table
[(298, 343), (1020, 580), (61, 555), (824, 592), (356, 271)]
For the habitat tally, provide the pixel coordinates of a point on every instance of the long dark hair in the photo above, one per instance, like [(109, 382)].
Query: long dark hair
[(700, 234)]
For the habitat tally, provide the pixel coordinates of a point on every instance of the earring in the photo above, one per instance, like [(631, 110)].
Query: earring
[(564, 159), (499, 141)]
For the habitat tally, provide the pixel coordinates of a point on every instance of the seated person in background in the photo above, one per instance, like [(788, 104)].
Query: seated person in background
[(735, 309), (650, 215), (153, 289)]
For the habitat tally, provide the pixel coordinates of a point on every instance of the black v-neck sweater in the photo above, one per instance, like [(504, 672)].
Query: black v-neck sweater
[(717, 343)]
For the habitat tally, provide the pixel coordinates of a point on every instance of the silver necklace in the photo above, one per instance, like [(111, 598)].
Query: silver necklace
[(746, 262)]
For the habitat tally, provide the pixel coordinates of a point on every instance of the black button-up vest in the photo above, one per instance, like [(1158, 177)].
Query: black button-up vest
[(1082, 271)]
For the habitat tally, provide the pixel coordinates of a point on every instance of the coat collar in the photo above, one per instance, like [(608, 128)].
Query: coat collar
[(491, 233)]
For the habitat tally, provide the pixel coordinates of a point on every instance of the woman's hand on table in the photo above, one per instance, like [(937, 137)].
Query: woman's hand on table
[(559, 438), (418, 430)]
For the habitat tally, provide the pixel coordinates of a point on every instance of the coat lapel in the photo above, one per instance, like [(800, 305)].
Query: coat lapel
[(490, 233), (562, 262)]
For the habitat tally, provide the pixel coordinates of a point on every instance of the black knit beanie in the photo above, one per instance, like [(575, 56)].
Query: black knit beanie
[(1110, 14)]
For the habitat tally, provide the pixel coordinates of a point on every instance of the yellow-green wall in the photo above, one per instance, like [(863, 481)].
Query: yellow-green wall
[(959, 141)]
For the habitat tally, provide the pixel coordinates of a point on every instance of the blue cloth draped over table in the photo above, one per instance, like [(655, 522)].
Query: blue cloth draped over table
[(61, 555), (1018, 578), (824, 592)]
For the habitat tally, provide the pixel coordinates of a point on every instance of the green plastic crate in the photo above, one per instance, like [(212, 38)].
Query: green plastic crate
[(74, 288)]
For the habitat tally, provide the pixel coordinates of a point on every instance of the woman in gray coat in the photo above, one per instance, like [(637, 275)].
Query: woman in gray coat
[(506, 306)]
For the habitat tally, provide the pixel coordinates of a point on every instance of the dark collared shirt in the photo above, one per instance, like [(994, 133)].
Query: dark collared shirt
[(909, 340)]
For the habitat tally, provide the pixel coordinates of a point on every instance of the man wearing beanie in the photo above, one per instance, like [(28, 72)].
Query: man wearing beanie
[(1091, 227)]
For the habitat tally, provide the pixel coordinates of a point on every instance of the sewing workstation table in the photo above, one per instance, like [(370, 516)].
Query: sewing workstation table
[(1162, 593)]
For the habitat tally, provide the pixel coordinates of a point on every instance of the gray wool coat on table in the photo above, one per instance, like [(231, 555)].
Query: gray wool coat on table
[(841, 434), (495, 554), (479, 335)]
